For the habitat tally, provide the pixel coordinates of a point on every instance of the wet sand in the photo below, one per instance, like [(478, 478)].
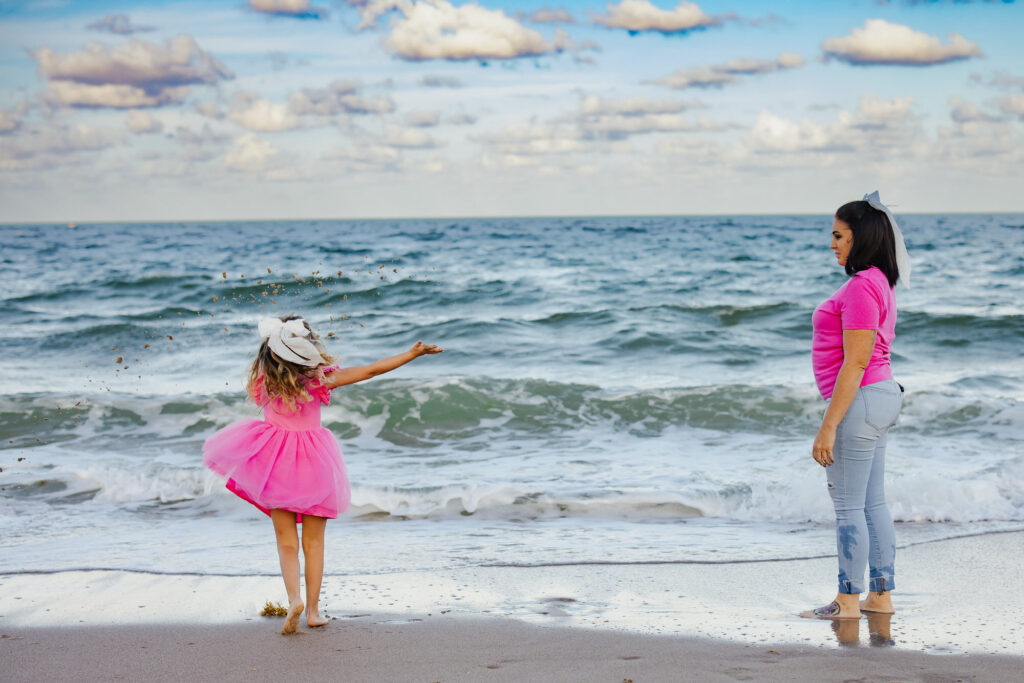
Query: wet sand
[(453, 649), (583, 622)]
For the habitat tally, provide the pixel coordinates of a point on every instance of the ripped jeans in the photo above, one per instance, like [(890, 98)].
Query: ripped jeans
[(864, 529)]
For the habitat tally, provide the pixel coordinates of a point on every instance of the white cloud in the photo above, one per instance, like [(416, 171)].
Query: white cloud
[(252, 153), (546, 15), (264, 116), (118, 24), (432, 81), (640, 15), (366, 157), (775, 134), (878, 126), (42, 148), (619, 119), (882, 42), (210, 109), (409, 138), (517, 142), (875, 112), (288, 8), (201, 145), (134, 74), (143, 122), (1001, 80), (422, 119), (435, 29), (984, 147), (70, 94), (1013, 105), (339, 97), (621, 126), (461, 119), (9, 121), (592, 105), (718, 75), (962, 111)]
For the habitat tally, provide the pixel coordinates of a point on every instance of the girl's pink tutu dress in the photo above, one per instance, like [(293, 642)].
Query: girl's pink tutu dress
[(285, 461)]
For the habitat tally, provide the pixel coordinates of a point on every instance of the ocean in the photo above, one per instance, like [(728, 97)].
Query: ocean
[(613, 390)]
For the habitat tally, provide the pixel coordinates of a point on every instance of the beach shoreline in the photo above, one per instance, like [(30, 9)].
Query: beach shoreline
[(607, 622)]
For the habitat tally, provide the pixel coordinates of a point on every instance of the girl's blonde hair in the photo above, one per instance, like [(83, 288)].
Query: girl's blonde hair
[(280, 378)]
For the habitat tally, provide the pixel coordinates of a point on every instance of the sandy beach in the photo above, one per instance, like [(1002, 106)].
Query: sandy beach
[(456, 649), (570, 623)]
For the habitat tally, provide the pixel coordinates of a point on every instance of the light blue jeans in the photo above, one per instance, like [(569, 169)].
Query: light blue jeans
[(864, 529)]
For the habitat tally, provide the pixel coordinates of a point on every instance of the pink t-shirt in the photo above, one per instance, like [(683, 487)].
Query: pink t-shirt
[(865, 302)]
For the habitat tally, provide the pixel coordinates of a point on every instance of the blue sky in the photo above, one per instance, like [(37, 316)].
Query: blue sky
[(379, 108)]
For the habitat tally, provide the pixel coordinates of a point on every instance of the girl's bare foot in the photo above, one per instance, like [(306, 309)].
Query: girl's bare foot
[(877, 602), (291, 622), (313, 619)]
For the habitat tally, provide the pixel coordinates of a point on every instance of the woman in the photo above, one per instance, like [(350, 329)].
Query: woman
[(853, 333)]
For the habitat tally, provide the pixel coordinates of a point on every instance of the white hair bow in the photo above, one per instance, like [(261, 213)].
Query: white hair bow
[(902, 256), (289, 341)]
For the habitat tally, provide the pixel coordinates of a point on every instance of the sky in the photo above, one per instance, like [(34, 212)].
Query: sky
[(272, 109)]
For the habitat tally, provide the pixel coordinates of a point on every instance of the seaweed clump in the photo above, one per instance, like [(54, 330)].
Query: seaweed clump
[(274, 609)]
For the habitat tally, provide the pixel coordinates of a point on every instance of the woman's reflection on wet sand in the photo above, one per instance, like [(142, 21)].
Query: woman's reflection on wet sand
[(847, 631)]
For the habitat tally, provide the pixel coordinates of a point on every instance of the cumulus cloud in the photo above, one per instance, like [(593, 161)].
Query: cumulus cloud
[(43, 148), (461, 119), (435, 29), (517, 144), (882, 42), (70, 94), (366, 157), (339, 97), (1001, 80), (408, 138), (1012, 105), (881, 126), (592, 105), (432, 81), (619, 119), (640, 15), (135, 74), (119, 24), (719, 75), (9, 121), (140, 122), (300, 9), (261, 115), (200, 145), (962, 111), (252, 154), (546, 15), (422, 119)]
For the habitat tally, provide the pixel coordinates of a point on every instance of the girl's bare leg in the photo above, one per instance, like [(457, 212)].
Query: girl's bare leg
[(288, 553), (313, 551)]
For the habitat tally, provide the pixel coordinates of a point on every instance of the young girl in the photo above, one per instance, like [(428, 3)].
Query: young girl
[(287, 465)]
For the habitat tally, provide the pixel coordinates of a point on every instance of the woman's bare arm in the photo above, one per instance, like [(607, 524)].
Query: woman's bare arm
[(857, 348)]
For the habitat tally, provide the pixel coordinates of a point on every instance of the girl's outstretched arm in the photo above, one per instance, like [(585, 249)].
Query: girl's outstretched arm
[(363, 372)]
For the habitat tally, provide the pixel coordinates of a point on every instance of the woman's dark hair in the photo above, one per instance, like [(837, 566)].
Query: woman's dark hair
[(873, 241)]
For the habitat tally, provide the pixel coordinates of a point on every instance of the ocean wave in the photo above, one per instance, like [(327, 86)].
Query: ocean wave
[(991, 495), (457, 411)]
